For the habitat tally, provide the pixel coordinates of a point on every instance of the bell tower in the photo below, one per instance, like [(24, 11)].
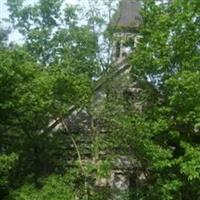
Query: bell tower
[(124, 27)]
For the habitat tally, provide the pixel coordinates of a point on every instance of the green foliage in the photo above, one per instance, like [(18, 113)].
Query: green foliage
[(31, 99), (166, 63), (52, 73), (54, 187), (189, 164), (34, 94), (54, 35), (7, 162), (164, 136)]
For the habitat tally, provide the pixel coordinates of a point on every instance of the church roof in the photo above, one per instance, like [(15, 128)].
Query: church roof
[(127, 16)]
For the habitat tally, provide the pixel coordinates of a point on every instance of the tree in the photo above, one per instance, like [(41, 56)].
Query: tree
[(164, 137), (53, 34), (34, 94), (156, 129), (41, 81)]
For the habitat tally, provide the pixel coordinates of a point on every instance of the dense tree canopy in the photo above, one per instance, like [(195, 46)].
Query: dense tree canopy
[(164, 137), (52, 76)]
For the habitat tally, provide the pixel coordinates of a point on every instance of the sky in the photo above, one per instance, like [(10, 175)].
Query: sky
[(15, 36)]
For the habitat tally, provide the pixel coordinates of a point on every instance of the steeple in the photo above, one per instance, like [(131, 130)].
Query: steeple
[(127, 17), (124, 27)]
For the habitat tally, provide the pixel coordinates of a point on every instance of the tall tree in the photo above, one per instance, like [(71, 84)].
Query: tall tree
[(164, 135), (38, 87), (53, 34)]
